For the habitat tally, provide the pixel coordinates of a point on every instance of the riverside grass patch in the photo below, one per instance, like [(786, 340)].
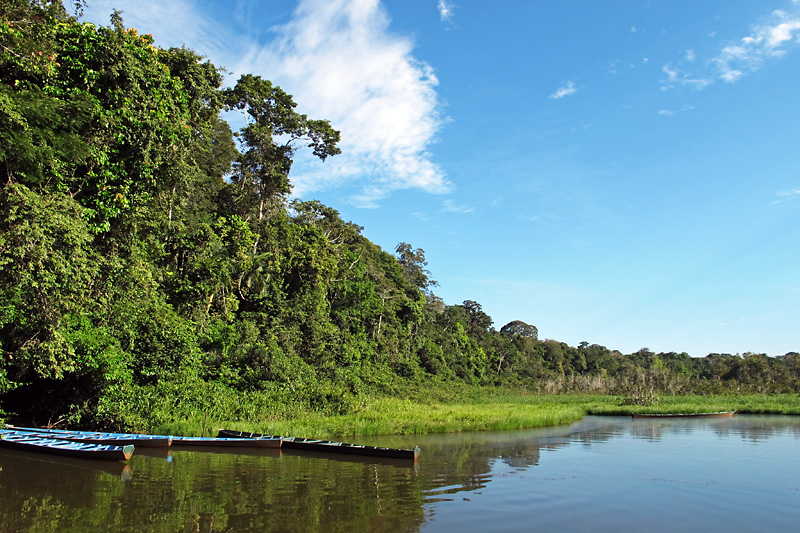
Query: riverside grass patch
[(778, 404), (394, 416), (400, 417), (492, 411)]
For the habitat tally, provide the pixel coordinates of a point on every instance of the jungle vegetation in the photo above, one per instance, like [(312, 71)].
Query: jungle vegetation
[(153, 264)]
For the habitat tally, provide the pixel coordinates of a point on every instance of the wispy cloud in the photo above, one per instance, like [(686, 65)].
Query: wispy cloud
[(786, 196), (446, 10), (676, 77), (448, 206), (766, 41), (565, 90), (670, 112)]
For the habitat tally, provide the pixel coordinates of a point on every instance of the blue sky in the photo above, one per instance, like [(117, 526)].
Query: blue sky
[(624, 173)]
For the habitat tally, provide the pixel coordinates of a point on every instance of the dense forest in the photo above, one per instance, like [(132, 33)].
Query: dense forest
[(153, 264)]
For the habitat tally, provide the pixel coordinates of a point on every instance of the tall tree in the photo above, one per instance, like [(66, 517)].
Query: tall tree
[(269, 140), (414, 263), (518, 328)]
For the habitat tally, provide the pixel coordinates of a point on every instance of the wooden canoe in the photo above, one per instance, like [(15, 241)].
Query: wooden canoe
[(84, 450), (228, 442), (722, 414), (318, 445), (116, 439)]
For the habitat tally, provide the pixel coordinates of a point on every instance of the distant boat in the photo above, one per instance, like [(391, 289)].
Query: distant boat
[(226, 442), (117, 439), (721, 414), (318, 445), (85, 450)]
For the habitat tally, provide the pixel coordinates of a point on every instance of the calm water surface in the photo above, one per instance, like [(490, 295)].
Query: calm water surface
[(600, 474)]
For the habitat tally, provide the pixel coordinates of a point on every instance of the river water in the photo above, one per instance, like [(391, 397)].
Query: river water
[(599, 474)]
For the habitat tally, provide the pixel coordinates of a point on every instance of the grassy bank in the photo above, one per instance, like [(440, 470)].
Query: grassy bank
[(478, 410), (783, 404)]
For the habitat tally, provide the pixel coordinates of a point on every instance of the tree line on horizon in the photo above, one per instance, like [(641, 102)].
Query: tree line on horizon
[(153, 265)]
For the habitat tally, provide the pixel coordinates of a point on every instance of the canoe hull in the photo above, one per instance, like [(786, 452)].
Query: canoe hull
[(326, 446), (148, 441), (66, 448), (272, 442), (112, 439)]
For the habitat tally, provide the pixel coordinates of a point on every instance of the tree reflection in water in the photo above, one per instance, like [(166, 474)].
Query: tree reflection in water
[(495, 480)]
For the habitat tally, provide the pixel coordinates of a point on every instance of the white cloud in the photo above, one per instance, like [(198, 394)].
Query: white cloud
[(766, 41), (448, 206), (565, 90), (787, 196), (341, 62), (676, 77), (446, 10)]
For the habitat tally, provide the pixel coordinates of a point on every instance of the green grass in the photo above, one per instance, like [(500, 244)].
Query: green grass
[(782, 404), (477, 410), (392, 416)]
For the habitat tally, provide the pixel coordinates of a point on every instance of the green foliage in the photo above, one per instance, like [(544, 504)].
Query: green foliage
[(47, 272)]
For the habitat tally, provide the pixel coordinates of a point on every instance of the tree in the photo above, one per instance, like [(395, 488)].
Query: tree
[(477, 320), (518, 328), (269, 139), (413, 262), (326, 218)]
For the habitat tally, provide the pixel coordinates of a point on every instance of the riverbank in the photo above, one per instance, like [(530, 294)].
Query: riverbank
[(479, 410), (783, 404)]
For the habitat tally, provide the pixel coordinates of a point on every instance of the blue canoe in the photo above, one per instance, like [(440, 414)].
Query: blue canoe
[(148, 441), (86, 450), (115, 439), (271, 442)]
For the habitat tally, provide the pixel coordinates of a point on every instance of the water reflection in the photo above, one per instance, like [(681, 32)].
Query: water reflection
[(593, 475), (43, 466), (602, 473)]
